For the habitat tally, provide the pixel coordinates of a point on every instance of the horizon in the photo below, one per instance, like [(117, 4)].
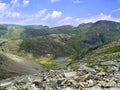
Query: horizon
[(56, 26), (54, 13)]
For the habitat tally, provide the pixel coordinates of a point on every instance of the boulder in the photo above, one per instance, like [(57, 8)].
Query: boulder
[(70, 74), (108, 63), (101, 74), (112, 69), (82, 78), (107, 84), (87, 69)]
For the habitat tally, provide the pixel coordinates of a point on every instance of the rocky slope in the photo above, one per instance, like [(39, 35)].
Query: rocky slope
[(12, 65), (63, 80)]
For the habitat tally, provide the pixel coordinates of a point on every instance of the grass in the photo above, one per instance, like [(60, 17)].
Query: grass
[(25, 88), (110, 50), (101, 69), (75, 68), (11, 46), (3, 88), (19, 83), (47, 61)]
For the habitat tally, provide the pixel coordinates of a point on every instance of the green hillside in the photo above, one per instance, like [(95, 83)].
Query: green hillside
[(59, 41)]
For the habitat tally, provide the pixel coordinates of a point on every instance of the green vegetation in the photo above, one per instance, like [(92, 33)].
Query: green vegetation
[(75, 68), (3, 88), (49, 62), (11, 46), (101, 69), (64, 40), (42, 46), (110, 50), (25, 88), (46, 61), (19, 83)]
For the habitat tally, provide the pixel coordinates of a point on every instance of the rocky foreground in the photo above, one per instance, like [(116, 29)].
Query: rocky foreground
[(64, 80)]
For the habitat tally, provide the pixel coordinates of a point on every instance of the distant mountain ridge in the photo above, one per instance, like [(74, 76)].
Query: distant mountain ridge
[(78, 39)]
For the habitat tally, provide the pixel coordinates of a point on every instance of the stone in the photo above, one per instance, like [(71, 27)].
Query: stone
[(91, 83), (87, 69), (112, 69), (59, 81), (70, 74), (84, 84), (36, 83), (101, 74), (82, 78), (94, 88), (68, 88), (63, 82), (107, 84), (108, 63)]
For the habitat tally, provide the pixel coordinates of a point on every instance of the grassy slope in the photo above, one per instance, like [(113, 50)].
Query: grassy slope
[(107, 52)]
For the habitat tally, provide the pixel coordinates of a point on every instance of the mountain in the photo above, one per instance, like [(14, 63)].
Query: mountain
[(12, 65), (102, 32), (74, 40), (44, 44), (12, 31)]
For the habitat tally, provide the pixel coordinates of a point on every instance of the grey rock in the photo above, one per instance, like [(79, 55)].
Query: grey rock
[(101, 74), (112, 69), (87, 69), (108, 63), (82, 78), (107, 84), (69, 74)]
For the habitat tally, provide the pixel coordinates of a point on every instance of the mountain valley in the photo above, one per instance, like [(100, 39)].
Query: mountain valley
[(91, 51)]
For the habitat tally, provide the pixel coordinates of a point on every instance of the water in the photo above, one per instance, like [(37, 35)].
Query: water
[(61, 59)]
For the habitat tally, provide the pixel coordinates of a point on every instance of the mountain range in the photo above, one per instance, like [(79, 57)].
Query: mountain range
[(42, 44)]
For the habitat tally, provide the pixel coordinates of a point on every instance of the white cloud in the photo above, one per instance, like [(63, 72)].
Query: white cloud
[(52, 18), (54, 1), (58, 21), (54, 14), (76, 21), (15, 3), (41, 12), (55, 18), (3, 7), (14, 14), (6, 10), (26, 2), (101, 16), (79, 20), (67, 21)]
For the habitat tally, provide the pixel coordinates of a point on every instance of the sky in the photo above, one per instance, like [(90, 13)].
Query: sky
[(58, 12)]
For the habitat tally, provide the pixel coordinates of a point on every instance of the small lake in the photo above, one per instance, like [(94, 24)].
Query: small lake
[(61, 59)]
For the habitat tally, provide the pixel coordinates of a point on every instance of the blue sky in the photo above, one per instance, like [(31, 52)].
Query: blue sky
[(58, 12)]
